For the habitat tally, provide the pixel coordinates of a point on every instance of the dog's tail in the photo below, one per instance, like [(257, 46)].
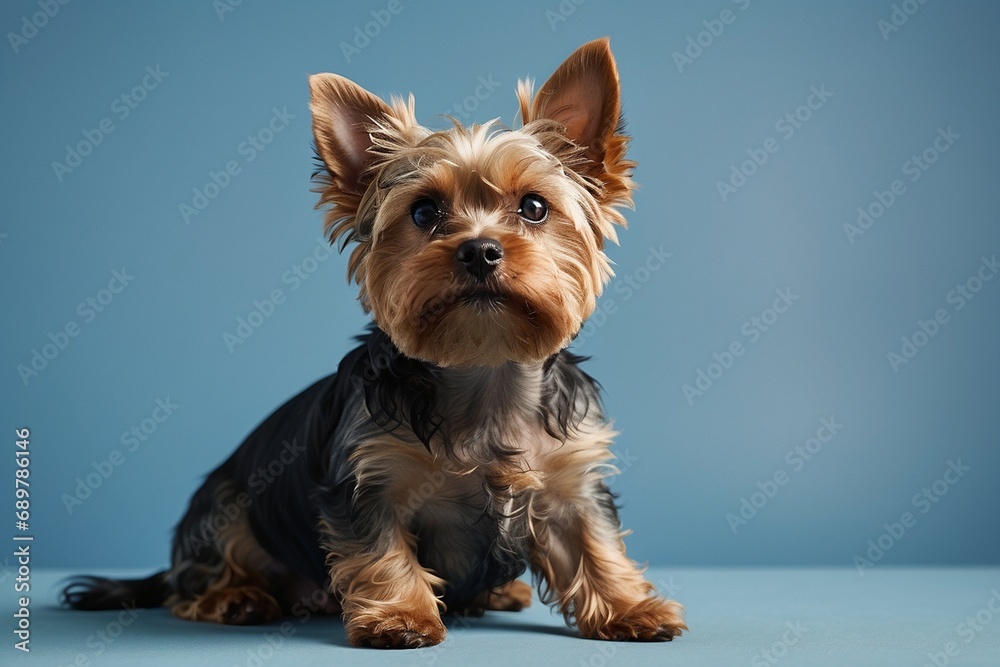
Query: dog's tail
[(93, 593)]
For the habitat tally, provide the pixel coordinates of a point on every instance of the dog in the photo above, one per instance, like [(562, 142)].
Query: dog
[(460, 442)]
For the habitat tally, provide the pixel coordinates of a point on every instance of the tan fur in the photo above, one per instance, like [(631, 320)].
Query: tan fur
[(512, 596), (388, 599)]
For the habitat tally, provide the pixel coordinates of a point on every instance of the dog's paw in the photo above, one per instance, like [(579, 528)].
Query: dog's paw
[(653, 619), (250, 607), (396, 630), (513, 596), (242, 605)]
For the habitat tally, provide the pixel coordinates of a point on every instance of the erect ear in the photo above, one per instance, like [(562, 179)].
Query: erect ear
[(342, 113), (584, 96)]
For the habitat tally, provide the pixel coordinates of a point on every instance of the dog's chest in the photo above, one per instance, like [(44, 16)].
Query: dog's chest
[(472, 537), (472, 520), (458, 494)]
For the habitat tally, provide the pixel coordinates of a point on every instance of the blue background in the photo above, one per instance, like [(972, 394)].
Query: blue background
[(686, 464)]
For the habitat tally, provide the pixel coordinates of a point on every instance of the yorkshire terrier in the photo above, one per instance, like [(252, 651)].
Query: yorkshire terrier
[(460, 441)]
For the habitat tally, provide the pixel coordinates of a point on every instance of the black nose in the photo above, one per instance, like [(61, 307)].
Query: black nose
[(480, 256)]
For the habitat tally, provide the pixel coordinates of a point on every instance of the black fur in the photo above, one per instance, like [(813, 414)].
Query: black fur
[(96, 593)]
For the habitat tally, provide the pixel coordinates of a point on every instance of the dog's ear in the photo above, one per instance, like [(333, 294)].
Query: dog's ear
[(584, 96), (342, 114)]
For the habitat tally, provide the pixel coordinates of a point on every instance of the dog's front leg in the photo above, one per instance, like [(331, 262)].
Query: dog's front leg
[(579, 552), (388, 599)]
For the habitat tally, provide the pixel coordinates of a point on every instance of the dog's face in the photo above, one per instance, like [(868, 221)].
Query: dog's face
[(478, 245)]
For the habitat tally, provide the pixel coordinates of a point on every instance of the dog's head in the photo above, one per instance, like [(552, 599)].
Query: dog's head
[(478, 245)]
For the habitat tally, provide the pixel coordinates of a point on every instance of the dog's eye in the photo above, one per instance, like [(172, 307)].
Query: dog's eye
[(424, 213), (533, 208)]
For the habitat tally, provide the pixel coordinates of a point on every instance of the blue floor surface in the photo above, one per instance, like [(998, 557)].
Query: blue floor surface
[(756, 617)]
